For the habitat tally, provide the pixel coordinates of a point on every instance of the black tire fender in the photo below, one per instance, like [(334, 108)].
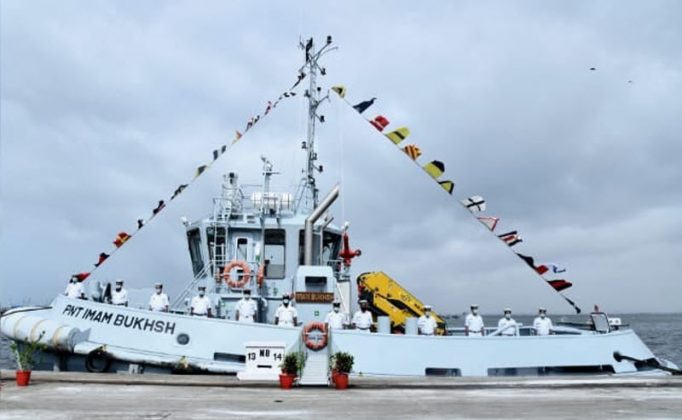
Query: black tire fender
[(100, 355)]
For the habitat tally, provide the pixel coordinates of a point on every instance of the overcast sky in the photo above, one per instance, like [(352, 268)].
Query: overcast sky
[(108, 106)]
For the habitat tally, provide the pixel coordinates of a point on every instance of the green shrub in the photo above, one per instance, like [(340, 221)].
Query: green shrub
[(25, 354), (343, 362), (293, 363)]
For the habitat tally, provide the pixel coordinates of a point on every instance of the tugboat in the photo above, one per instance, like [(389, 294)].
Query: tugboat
[(280, 244)]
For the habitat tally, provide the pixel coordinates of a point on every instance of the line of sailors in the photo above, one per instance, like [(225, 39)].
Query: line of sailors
[(75, 290), (286, 314), (474, 327)]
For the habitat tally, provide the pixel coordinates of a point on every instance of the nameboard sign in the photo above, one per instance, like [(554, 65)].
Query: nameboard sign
[(314, 297), (263, 360)]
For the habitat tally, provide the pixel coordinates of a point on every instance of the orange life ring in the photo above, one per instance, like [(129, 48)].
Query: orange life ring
[(319, 326), (260, 276), (246, 276)]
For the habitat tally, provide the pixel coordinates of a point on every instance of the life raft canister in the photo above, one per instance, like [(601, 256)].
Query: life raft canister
[(246, 274), (315, 344)]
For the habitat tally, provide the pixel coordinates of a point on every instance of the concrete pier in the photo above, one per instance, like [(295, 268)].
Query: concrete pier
[(113, 396)]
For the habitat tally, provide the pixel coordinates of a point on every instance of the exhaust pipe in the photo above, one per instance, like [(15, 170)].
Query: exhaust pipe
[(310, 222)]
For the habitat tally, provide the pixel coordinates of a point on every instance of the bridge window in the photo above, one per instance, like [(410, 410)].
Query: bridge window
[(274, 253), (194, 242), (331, 244), (242, 250)]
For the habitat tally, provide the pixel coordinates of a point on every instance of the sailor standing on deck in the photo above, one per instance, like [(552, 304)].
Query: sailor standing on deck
[(159, 300), (362, 319), (74, 289), (543, 325), (426, 322), (119, 296), (286, 314), (507, 324), (473, 323), (336, 319), (245, 309), (201, 304)]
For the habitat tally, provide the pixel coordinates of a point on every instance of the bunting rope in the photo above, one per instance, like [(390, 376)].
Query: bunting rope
[(123, 237), (475, 204)]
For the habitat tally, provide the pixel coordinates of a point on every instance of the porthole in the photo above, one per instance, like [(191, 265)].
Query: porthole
[(182, 339)]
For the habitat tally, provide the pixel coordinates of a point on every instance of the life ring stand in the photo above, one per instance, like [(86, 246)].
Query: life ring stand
[(101, 355), (312, 326), (246, 276)]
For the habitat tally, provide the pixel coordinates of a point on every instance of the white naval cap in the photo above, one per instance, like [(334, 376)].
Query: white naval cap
[(507, 310), (427, 307), (474, 306), (542, 310), (202, 287), (119, 281), (157, 285)]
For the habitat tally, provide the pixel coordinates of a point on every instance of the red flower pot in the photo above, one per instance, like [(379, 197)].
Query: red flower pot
[(334, 373), (341, 380), (23, 377), (286, 380)]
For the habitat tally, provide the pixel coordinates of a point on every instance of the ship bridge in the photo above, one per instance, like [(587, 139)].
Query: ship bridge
[(256, 239)]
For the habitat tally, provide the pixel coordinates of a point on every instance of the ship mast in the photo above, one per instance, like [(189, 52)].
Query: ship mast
[(308, 195)]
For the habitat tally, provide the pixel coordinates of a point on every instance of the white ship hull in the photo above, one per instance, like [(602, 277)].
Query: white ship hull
[(75, 328)]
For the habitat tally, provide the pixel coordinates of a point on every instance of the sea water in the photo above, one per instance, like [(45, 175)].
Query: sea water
[(661, 332)]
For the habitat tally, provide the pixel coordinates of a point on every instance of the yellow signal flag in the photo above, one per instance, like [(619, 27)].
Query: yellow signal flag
[(435, 168), (412, 151), (340, 90), (396, 136), (447, 186)]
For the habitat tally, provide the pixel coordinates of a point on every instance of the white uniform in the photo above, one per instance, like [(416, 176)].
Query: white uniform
[(362, 320), (74, 290), (542, 326), (119, 298), (201, 305), (427, 325), (158, 302), (474, 323), (247, 310), (285, 315), (504, 322), (336, 320)]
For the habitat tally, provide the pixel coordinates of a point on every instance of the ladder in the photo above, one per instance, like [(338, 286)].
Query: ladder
[(316, 369)]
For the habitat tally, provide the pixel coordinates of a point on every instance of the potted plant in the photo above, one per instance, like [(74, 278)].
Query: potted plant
[(25, 357), (343, 364), (291, 366)]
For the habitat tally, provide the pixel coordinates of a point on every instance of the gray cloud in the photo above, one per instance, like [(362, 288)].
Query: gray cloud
[(108, 106)]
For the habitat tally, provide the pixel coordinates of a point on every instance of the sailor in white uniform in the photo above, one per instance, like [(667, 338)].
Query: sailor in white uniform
[(473, 323), (542, 324), (120, 295), (286, 315), (362, 319), (159, 301), (507, 324), (201, 304), (246, 308), (336, 319), (426, 322), (74, 289)]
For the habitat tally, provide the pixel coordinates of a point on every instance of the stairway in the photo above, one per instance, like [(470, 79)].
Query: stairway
[(316, 369)]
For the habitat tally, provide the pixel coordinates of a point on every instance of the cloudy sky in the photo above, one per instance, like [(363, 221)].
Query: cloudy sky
[(108, 106)]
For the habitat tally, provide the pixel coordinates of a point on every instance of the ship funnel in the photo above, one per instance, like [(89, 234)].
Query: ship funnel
[(310, 222)]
